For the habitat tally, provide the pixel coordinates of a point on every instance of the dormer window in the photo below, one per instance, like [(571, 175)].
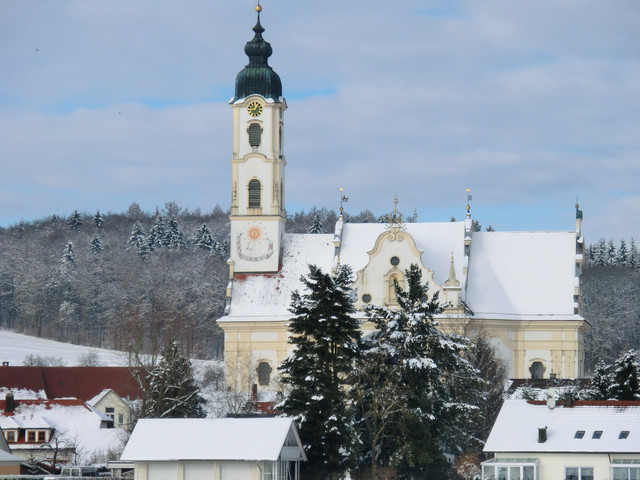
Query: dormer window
[(623, 434), (579, 434), (597, 434), (10, 435)]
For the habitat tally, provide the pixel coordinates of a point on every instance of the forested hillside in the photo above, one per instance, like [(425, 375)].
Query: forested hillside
[(116, 280)]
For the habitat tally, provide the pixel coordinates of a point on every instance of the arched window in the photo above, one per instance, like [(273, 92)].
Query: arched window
[(255, 134), (254, 193), (264, 373), (537, 370)]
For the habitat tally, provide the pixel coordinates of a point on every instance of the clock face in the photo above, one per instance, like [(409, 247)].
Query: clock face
[(253, 244), (254, 109)]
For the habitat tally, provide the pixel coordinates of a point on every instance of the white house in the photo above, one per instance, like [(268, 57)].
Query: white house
[(579, 440), (257, 448)]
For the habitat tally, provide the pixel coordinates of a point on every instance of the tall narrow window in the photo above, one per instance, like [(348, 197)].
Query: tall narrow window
[(264, 373), (254, 193), (255, 134)]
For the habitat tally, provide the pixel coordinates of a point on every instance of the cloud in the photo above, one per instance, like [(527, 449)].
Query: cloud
[(528, 104)]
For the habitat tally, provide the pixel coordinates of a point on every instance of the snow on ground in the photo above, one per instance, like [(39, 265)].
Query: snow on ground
[(15, 348)]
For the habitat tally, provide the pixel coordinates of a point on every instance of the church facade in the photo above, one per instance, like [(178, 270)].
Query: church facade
[(521, 289)]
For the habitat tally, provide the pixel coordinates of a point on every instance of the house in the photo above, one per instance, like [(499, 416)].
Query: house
[(522, 289), (573, 440), (108, 389), (254, 448), (9, 464), (57, 431)]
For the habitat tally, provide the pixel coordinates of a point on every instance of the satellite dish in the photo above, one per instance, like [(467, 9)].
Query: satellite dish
[(551, 398)]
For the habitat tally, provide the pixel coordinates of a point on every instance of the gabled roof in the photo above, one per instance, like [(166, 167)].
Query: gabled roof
[(522, 275), (71, 418), (516, 428), (239, 439), (70, 382)]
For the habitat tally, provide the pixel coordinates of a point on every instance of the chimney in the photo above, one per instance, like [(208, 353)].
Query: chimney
[(5, 364), (9, 403), (542, 434), (254, 392), (568, 400)]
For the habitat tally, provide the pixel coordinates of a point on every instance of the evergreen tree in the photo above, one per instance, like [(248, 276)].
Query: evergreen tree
[(20, 230), (75, 221), (317, 224), (611, 253), (68, 255), (324, 334), (600, 382), (633, 254), (600, 252), (437, 387), (96, 245), (625, 377), (138, 241), (203, 239), (171, 390), (158, 232), (174, 239), (98, 221), (622, 255)]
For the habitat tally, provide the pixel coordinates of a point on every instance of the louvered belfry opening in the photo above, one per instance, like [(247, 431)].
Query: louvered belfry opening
[(255, 134), (254, 193)]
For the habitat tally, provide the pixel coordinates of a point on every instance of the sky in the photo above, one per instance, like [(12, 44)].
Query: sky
[(530, 105)]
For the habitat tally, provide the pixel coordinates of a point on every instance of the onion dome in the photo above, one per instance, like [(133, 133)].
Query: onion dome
[(258, 77)]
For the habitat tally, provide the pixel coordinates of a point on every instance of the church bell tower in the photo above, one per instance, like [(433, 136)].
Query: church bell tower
[(257, 165)]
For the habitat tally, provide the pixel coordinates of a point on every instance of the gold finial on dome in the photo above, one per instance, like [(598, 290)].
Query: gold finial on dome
[(258, 7)]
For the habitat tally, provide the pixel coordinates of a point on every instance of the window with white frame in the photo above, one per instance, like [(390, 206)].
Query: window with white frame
[(625, 472), (11, 436), (509, 469), (578, 473)]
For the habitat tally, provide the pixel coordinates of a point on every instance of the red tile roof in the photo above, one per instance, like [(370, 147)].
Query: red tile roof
[(77, 382)]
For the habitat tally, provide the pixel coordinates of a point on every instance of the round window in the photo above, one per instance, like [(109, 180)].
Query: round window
[(366, 298), (395, 261)]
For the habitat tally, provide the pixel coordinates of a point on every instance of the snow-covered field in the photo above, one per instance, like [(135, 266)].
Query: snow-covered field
[(15, 348)]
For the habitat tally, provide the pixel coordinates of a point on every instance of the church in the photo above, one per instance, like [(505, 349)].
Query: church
[(521, 289)]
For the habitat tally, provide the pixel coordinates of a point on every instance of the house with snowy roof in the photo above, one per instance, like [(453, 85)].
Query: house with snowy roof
[(253, 448), (522, 289), (9, 464), (573, 440), (56, 431), (107, 389)]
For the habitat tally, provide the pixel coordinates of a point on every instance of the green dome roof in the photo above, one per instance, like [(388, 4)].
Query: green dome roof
[(258, 77)]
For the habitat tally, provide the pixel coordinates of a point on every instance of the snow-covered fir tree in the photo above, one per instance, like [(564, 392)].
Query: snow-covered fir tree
[(622, 255), (98, 221), (174, 238), (625, 377), (316, 227), (96, 245), (171, 391), (633, 254), (75, 221), (324, 334), (611, 253), (435, 390), (155, 240), (138, 241), (203, 239), (68, 255)]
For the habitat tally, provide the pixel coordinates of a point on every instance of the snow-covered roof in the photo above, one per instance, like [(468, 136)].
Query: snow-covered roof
[(7, 459), (269, 295), (516, 428), (511, 275), (72, 419), (522, 275), (99, 396), (250, 439)]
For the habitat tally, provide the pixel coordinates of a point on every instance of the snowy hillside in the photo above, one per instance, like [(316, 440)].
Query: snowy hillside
[(15, 348)]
